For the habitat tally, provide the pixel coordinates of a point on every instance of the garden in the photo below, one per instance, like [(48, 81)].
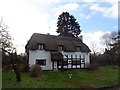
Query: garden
[(104, 76)]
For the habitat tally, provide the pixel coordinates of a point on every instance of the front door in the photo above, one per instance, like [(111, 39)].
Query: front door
[(55, 66)]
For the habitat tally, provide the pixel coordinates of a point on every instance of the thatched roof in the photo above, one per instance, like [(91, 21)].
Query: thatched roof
[(52, 42)]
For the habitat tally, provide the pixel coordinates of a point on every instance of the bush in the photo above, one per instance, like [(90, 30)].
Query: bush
[(92, 67), (24, 67), (6, 68), (36, 70), (101, 60)]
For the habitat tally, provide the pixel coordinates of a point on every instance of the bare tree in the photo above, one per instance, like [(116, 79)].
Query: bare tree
[(112, 46), (94, 48), (6, 46), (108, 38), (5, 38)]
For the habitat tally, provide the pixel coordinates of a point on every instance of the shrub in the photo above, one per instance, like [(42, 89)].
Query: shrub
[(101, 60), (92, 67), (25, 68), (36, 70), (6, 68)]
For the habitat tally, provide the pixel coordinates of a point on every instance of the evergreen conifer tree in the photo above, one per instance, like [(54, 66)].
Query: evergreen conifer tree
[(67, 25)]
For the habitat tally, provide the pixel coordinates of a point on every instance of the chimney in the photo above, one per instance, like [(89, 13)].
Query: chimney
[(81, 37), (48, 33)]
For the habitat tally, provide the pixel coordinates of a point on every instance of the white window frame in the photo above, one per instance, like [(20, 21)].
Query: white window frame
[(44, 61), (40, 47), (60, 48)]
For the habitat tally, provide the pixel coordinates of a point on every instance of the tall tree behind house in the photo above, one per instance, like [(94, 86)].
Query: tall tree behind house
[(67, 25)]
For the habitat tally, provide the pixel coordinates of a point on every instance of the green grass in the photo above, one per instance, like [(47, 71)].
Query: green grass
[(105, 76)]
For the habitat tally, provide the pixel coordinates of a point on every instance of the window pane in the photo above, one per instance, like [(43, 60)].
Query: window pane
[(78, 62), (74, 62), (65, 63), (41, 61), (60, 48), (40, 47), (59, 63), (77, 48)]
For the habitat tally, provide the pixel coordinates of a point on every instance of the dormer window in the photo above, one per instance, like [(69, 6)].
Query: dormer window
[(60, 48), (78, 49), (40, 46)]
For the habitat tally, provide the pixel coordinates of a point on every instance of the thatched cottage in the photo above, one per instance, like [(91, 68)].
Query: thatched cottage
[(57, 52)]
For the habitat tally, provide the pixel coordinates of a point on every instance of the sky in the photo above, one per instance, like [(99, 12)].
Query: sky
[(25, 17)]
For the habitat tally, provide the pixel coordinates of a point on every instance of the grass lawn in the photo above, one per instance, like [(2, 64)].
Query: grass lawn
[(105, 76)]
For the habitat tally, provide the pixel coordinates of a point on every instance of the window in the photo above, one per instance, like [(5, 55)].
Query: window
[(78, 62), (77, 48), (69, 62), (60, 48), (82, 61), (41, 61), (40, 46), (74, 63), (65, 63), (60, 63)]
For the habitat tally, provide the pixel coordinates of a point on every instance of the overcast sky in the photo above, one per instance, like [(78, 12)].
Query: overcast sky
[(25, 17)]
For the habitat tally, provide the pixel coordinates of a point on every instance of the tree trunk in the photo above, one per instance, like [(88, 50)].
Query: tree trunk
[(17, 72), (15, 64)]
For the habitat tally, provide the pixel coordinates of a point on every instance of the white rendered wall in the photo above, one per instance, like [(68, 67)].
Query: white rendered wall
[(87, 59), (40, 54)]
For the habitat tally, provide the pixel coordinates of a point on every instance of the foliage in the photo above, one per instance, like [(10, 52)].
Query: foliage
[(6, 60), (5, 38), (116, 47), (25, 67), (15, 64), (92, 67), (5, 43), (7, 68), (36, 70), (6, 47), (106, 76), (113, 53), (67, 25), (94, 48), (100, 60), (109, 38), (21, 59), (23, 63)]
